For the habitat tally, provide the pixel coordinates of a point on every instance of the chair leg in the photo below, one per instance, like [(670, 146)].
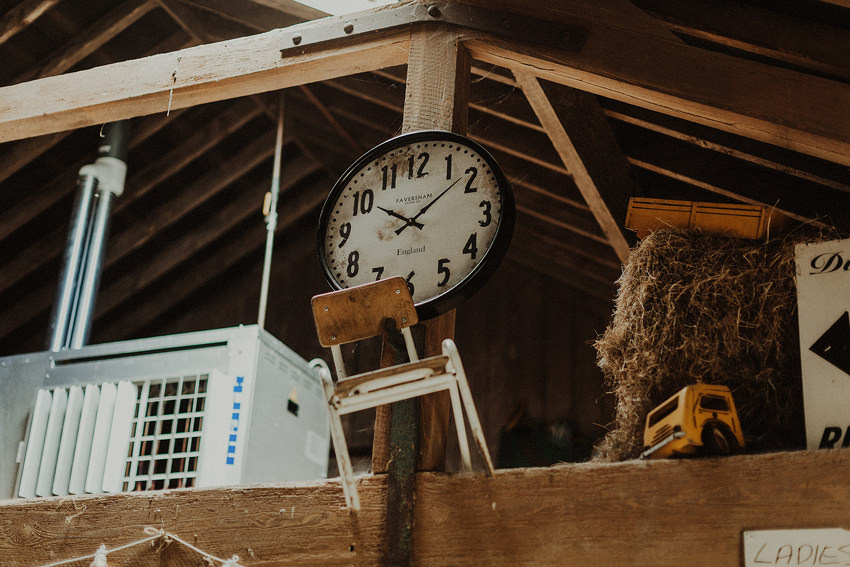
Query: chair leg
[(450, 350), (346, 473), (463, 442)]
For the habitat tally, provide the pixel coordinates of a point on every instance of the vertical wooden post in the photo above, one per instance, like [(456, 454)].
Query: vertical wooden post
[(436, 97)]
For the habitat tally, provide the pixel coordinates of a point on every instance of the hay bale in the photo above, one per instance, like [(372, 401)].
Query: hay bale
[(699, 308)]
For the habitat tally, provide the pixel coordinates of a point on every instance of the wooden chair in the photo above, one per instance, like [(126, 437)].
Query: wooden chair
[(366, 311)]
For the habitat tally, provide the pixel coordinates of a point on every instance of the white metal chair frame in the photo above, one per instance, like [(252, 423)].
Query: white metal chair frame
[(359, 313)]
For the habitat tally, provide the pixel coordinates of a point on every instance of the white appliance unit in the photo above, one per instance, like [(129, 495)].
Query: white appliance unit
[(223, 407)]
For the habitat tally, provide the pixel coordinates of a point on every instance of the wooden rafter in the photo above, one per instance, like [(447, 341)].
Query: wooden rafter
[(190, 198), (221, 221), (584, 179), (30, 206), (21, 16), (787, 40), (188, 77), (740, 96), (775, 105), (702, 142), (25, 151), (190, 148), (94, 37), (251, 15)]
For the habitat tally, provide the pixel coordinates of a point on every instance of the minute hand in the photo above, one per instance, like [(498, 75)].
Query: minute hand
[(412, 220)]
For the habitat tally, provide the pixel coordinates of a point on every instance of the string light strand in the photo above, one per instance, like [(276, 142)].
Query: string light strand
[(99, 557)]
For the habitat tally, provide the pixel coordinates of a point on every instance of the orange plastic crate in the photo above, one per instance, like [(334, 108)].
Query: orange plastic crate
[(746, 221)]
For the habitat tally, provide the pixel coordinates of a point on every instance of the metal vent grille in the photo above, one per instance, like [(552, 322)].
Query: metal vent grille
[(129, 436), (166, 436)]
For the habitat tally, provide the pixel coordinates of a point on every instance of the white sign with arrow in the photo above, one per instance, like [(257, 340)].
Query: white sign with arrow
[(823, 306)]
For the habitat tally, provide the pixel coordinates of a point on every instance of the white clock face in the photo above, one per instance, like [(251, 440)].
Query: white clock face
[(427, 210)]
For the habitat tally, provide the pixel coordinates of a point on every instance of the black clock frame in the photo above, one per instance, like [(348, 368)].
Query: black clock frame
[(475, 279)]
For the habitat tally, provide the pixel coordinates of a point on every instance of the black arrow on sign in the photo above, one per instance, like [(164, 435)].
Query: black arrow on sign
[(834, 345)]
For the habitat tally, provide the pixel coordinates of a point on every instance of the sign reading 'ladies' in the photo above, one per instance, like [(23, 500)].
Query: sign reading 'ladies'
[(823, 303), (797, 548)]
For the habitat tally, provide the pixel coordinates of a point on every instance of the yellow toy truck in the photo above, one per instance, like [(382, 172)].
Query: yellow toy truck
[(700, 418)]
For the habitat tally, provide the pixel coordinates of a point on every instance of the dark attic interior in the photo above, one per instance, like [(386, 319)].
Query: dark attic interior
[(680, 177)]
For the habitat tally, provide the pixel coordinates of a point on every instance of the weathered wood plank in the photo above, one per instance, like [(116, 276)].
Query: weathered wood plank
[(675, 512), (436, 96), (189, 77), (273, 525), (638, 513)]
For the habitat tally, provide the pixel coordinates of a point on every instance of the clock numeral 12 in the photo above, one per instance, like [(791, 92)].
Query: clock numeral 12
[(423, 158)]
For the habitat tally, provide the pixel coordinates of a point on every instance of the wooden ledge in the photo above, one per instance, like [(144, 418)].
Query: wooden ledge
[(690, 512)]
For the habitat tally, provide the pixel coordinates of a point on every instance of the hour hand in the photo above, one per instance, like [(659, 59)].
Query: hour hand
[(410, 222)]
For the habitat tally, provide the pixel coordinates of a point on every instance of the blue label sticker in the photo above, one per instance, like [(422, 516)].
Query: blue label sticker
[(234, 421)]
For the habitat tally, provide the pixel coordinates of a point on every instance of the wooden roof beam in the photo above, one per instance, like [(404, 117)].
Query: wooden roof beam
[(170, 292), (584, 168), (21, 16), (188, 77), (31, 205), (189, 198), (620, 61), (774, 105), (114, 293), (252, 15), (92, 38), (761, 32), (722, 148)]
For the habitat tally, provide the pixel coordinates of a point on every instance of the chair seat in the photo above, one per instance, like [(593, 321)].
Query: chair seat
[(404, 372)]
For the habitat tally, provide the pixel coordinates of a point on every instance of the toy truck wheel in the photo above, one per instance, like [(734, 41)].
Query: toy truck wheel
[(718, 440)]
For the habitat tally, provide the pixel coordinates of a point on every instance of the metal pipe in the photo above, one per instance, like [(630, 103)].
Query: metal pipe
[(96, 246), (97, 184), (71, 264), (271, 218)]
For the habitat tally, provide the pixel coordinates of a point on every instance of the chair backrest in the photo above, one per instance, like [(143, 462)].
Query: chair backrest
[(359, 312)]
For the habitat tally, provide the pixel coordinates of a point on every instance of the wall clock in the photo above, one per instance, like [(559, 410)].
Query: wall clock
[(431, 206)]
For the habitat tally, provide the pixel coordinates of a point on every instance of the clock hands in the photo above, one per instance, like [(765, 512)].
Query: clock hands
[(412, 221)]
